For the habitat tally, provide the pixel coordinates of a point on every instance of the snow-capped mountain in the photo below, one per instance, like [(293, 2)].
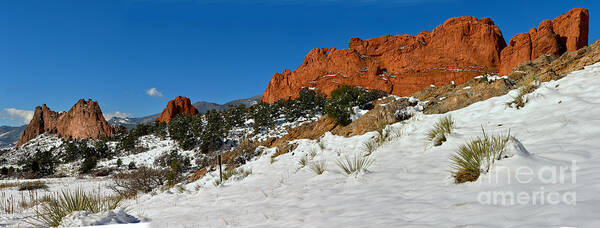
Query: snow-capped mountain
[(10, 135)]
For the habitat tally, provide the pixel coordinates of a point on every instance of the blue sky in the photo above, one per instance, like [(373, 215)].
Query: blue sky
[(134, 55)]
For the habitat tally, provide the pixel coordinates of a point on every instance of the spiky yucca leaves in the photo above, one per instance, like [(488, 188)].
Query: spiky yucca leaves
[(232, 172), (370, 146), (354, 165), (521, 99), (51, 213), (318, 167), (303, 161), (438, 133), (477, 156)]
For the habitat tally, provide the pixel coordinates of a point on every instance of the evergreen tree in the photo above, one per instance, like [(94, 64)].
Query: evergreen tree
[(214, 132), (344, 98), (180, 130), (236, 116), (42, 163), (160, 129), (263, 116)]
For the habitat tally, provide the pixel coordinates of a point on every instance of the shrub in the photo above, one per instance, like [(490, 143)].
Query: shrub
[(318, 167), (41, 163), (88, 164), (438, 133), (310, 102), (119, 162), (345, 97), (354, 165), (51, 213), (33, 185), (477, 156), (176, 163), (141, 180), (131, 165)]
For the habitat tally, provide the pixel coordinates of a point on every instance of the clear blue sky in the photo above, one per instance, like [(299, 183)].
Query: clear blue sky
[(56, 52)]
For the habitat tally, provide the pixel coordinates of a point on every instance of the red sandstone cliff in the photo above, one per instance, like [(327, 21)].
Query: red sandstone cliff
[(457, 50), (177, 106), (84, 120), (568, 32)]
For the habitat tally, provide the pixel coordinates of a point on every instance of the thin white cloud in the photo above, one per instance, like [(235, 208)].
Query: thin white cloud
[(154, 92), (17, 114), (109, 116)]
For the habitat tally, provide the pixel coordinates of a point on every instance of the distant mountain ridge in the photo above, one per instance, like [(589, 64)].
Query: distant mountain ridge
[(201, 106), (10, 135)]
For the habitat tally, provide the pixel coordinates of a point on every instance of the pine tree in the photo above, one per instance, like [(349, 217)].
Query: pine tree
[(214, 132), (262, 113)]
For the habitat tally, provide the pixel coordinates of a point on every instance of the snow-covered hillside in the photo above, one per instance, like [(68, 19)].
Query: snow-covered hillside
[(553, 178)]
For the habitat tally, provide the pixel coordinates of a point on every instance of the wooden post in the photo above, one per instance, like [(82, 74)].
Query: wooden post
[(220, 169)]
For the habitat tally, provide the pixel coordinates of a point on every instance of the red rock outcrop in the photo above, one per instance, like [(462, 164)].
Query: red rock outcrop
[(177, 106), (84, 120), (568, 32), (457, 50)]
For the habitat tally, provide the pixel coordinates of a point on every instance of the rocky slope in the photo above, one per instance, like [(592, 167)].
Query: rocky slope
[(457, 50), (84, 120), (178, 106)]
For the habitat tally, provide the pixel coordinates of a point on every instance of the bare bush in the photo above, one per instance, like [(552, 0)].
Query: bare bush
[(142, 179)]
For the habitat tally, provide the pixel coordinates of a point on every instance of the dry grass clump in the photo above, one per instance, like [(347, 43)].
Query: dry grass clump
[(51, 213), (477, 156), (9, 204), (354, 165), (33, 185), (239, 173), (318, 167), (25, 186), (437, 135)]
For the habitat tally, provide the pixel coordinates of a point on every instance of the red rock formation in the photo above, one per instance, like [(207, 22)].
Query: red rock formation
[(177, 106), (568, 32), (84, 120), (457, 50)]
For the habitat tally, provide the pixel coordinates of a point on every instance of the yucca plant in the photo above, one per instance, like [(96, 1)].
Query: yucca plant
[(354, 165), (51, 213), (477, 156), (438, 133), (231, 172), (303, 161), (370, 146), (318, 167), (521, 99)]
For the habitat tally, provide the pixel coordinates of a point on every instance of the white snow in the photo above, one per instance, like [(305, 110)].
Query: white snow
[(85, 218), (410, 183), (549, 178)]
